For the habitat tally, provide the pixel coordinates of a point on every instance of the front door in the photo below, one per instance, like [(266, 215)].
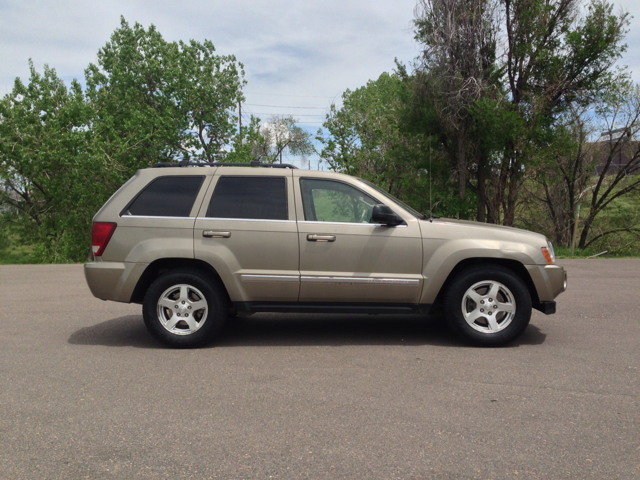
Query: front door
[(346, 258)]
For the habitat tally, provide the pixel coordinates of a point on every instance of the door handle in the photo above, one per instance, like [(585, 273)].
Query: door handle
[(212, 234), (321, 238)]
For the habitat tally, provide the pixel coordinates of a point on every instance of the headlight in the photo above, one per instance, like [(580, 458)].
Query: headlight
[(548, 253)]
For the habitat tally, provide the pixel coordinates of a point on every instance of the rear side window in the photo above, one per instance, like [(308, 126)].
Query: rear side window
[(261, 198), (166, 197)]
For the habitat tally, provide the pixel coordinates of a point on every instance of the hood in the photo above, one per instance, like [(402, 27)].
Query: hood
[(470, 223), (469, 229)]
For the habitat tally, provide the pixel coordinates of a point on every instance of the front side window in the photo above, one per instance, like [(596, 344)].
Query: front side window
[(331, 201), (166, 197), (260, 198)]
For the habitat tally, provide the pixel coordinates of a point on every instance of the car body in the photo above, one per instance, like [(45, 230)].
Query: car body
[(290, 240)]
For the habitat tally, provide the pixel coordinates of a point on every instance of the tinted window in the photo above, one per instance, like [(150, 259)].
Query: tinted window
[(166, 197), (263, 198), (330, 201)]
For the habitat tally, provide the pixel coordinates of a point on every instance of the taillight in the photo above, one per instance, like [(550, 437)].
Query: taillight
[(100, 236)]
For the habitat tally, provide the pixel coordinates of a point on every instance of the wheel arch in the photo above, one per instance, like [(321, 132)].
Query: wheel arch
[(513, 265), (163, 265)]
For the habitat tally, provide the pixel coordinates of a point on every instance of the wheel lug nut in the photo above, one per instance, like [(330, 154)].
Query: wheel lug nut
[(491, 300), (183, 302), (482, 309), (189, 307), (495, 306), (178, 314), (490, 312), (176, 306), (482, 302), (186, 314)]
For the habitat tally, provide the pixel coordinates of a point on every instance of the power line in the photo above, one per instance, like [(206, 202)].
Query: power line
[(286, 106), (297, 96), (296, 115)]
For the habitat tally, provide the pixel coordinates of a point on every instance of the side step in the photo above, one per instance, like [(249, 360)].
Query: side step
[(336, 307)]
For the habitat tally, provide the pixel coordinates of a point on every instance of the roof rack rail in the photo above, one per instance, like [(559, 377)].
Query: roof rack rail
[(254, 163)]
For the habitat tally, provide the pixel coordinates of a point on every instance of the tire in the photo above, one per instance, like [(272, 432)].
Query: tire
[(184, 308), (472, 291)]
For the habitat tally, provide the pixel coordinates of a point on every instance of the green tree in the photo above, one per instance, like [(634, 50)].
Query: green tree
[(620, 116), (160, 101), (554, 56), (373, 135), (457, 67), (365, 137), (54, 181), (278, 135), (509, 82), (64, 151)]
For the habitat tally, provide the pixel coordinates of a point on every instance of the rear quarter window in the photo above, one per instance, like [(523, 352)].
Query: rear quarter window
[(166, 197)]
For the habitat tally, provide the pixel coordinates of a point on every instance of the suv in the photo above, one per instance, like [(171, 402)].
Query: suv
[(196, 245)]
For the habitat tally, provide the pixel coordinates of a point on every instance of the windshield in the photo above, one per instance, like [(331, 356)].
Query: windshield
[(412, 211)]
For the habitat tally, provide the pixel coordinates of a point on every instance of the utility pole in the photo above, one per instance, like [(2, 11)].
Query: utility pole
[(575, 228), (239, 117)]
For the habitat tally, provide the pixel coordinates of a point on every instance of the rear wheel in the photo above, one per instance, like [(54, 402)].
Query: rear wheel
[(184, 309), (488, 306)]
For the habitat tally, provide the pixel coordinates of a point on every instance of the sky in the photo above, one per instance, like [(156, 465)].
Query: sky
[(295, 53), (299, 55)]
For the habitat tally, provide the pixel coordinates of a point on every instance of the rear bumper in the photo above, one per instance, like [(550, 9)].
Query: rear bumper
[(112, 280)]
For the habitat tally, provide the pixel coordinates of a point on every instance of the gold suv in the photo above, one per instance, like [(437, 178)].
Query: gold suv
[(196, 244)]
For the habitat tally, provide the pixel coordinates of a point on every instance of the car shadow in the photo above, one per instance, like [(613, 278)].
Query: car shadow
[(275, 329), (126, 331)]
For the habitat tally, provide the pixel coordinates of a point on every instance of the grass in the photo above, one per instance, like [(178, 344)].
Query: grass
[(565, 252), (16, 255)]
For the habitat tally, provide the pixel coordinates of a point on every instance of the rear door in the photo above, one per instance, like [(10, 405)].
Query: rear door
[(246, 230)]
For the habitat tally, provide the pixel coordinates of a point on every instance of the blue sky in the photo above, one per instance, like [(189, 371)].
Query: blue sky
[(296, 53), (315, 49)]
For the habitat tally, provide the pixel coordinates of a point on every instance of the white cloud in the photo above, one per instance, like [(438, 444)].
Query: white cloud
[(287, 47), (290, 49)]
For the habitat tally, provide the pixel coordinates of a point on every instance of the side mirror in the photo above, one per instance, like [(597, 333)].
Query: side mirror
[(384, 215)]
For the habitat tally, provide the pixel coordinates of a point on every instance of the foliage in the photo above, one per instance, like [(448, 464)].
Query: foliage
[(160, 101), (507, 71), (12, 250), (498, 121), (503, 102), (366, 138), (64, 151), (46, 166), (621, 114), (281, 134), (592, 171), (456, 68)]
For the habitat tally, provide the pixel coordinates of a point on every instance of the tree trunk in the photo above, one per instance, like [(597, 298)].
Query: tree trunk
[(585, 231), (461, 166), (481, 215), (512, 188)]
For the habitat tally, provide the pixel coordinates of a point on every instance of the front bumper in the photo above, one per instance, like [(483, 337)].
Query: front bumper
[(549, 281), (548, 308)]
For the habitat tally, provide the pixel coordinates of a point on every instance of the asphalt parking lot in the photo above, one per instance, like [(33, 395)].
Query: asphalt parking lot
[(85, 392)]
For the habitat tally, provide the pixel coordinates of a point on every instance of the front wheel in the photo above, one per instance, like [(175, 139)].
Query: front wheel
[(184, 309), (488, 306)]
